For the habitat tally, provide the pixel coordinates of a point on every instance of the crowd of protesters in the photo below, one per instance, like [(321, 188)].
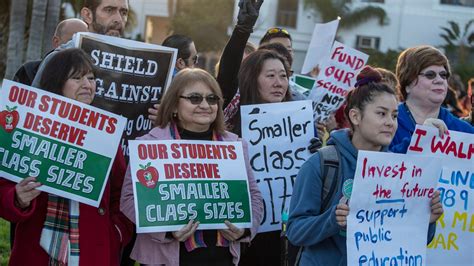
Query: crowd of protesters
[(380, 114)]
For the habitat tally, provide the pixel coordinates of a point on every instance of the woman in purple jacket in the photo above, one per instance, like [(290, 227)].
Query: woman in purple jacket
[(192, 109)]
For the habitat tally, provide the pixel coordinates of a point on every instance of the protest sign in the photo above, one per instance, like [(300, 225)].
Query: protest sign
[(319, 46), (338, 74), (56, 140), (302, 84), (131, 76), (278, 136), (175, 181), (454, 239), (390, 209)]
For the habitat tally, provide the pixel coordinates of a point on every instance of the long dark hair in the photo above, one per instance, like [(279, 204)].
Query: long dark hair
[(249, 72), (64, 65)]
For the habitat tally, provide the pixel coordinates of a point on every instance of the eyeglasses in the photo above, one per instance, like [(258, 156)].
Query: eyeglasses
[(430, 74), (195, 59), (196, 99), (277, 30)]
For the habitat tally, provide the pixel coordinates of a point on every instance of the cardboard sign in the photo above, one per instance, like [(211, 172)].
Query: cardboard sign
[(67, 145), (319, 46), (390, 209), (453, 243), (131, 76), (338, 74), (278, 136), (175, 181)]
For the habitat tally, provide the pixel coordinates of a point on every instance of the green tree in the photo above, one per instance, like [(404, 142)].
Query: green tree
[(330, 9), (205, 21)]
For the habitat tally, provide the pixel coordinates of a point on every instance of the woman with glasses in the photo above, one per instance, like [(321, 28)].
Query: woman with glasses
[(422, 73), (192, 109)]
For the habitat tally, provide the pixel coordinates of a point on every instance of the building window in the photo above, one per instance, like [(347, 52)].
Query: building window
[(367, 42), (469, 3), (373, 1), (287, 12)]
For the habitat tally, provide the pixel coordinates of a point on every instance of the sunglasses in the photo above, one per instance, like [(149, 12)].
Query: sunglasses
[(277, 30), (430, 74), (196, 99)]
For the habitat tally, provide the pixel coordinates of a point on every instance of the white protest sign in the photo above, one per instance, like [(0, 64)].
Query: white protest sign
[(67, 145), (320, 44), (338, 74), (453, 243), (175, 181), (390, 209), (278, 136)]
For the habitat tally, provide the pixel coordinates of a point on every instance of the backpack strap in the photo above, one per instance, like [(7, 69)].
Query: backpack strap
[(329, 160)]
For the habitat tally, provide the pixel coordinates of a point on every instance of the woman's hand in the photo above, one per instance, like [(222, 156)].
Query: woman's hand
[(342, 210), (26, 191), (186, 231), (439, 124), (153, 113), (436, 207), (321, 128), (233, 233)]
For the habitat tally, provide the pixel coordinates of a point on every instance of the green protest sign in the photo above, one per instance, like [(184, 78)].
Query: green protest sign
[(55, 139), (175, 181)]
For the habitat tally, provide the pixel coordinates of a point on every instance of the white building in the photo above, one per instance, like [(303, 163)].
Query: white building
[(152, 19), (410, 22)]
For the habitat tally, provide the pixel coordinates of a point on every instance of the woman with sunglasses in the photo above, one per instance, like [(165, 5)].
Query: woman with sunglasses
[(192, 109), (423, 73)]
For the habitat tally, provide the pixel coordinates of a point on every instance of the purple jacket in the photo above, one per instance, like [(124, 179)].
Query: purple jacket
[(156, 248)]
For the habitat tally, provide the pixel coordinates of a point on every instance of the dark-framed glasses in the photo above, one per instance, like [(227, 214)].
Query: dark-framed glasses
[(430, 74), (197, 99)]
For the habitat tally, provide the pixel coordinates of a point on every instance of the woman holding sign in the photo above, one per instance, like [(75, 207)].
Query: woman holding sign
[(263, 78), (372, 112), (52, 230), (191, 109), (423, 73)]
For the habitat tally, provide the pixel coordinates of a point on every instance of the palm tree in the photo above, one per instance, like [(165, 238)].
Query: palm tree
[(35, 40), (54, 8), (16, 36), (459, 48), (455, 38), (330, 9)]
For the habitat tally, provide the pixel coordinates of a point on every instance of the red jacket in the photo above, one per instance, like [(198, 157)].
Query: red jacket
[(99, 238)]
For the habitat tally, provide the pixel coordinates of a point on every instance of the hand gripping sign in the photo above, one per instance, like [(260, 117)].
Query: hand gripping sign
[(67, 145), (175, 181)]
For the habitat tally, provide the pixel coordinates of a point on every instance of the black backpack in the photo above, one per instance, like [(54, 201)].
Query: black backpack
[(329, 159)]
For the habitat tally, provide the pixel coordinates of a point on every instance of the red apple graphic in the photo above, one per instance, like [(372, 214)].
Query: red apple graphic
[(9, 119), (148, 175)]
